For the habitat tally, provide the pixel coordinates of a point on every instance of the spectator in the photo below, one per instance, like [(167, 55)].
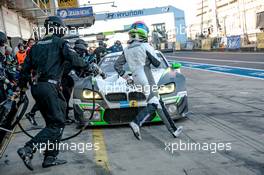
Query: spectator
[(10, 65), (3, 41), (91, 55), (30, 43), (21, 54), (9, 56), (117, 47), (100, 51)]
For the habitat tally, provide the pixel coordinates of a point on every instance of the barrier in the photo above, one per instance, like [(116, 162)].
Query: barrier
[(206, 44), (246, 42), (170, 45), (162, 46), (177, 46), (189, 45), (260, 40)]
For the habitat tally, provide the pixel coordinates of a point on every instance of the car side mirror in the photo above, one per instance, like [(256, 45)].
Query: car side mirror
[(176, 65)]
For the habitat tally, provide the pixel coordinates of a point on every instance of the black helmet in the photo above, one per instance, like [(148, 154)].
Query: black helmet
[(80, 46), (55, 25), (80, 49), (54, 21), (3, 38), (81, 41)]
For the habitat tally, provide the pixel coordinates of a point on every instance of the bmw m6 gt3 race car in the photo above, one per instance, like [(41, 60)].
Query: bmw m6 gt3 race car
[(114, 101)]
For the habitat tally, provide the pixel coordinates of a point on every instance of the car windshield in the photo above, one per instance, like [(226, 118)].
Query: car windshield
[(107, 63)]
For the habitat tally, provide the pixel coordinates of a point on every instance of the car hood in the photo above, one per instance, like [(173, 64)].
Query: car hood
[(114, 83)]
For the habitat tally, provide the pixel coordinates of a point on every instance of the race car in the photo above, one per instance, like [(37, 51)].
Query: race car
[(113, 101)]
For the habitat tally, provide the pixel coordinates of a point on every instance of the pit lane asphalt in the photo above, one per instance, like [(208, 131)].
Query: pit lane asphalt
[(223, 109), (238, 59)]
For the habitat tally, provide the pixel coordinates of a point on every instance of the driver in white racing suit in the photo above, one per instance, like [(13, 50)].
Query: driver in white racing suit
[(139, 55)]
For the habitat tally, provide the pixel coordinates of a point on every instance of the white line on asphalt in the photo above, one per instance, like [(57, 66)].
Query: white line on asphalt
[(218, 65), (218, 60), (237, 75), (227, 53)]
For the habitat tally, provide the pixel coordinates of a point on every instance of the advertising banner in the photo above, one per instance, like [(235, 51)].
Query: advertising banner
[(124, 14), (75, 12), (234, 42)]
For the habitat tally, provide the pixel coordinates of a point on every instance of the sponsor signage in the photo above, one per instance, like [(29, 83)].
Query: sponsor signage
[(75, 12), (130, 13)]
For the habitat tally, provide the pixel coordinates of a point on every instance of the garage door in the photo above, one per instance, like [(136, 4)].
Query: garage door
[(11, 23)]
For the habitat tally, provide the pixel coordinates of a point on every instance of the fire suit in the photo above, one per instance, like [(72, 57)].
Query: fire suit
[(139, 57)]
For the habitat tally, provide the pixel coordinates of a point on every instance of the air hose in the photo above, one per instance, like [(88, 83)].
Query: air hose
[(63, 139), (83, 128)]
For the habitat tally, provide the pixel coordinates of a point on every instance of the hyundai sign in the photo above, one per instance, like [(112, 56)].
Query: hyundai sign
[(130, 13), (75, 12)]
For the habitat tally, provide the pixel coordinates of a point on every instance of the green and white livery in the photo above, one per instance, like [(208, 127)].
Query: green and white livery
[(116, 102)]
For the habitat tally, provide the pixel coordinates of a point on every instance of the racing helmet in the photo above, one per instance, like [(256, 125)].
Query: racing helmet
[(3, 38), (139, 31), (55, 25)]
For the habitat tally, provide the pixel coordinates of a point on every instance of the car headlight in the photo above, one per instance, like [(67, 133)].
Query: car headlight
[(88, 94), (167, 89)]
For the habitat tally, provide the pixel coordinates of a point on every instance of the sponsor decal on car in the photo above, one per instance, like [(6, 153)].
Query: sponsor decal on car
[(88, 106), (124, 104)]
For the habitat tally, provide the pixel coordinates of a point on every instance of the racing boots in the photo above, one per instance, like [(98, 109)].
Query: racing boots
[(26, 154), (177, 132), (136, 130), (31, 117), (52, 161)]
